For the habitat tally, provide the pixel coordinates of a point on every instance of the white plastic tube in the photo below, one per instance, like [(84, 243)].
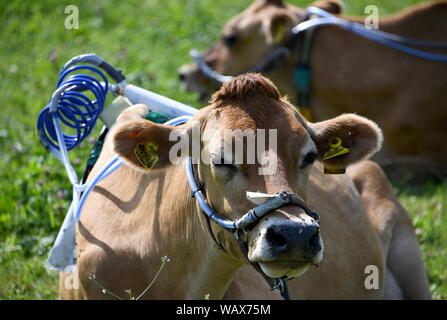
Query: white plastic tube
[(158, 103)]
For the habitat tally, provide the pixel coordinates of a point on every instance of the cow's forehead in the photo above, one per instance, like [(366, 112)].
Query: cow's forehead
[(242, 23), (251, 15), (257, 116), (255, 112)]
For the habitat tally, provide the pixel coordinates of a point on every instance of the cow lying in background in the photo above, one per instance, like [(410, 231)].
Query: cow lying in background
[(136, 216), (405, 95)]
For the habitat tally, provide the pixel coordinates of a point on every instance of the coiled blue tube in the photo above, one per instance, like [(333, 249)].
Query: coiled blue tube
[(73, 107)]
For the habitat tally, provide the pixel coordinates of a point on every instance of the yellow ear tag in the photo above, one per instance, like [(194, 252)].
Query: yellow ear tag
[(336, 149), (147, 154), (333, 171)]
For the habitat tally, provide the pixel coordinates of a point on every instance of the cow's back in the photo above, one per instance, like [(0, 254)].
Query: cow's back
[(404, 94)]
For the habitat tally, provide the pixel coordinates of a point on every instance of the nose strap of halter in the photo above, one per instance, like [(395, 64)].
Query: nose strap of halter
[(247, 220), (281, 199)]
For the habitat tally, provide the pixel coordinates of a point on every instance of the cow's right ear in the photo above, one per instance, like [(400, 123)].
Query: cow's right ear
[(144, 144), (152, 146)]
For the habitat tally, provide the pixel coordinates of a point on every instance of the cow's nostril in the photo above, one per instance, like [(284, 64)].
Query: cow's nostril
[(276, 239), (181, 76), (314, 242)]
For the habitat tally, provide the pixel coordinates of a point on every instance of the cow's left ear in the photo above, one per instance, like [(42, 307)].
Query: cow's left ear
[(345, 140)]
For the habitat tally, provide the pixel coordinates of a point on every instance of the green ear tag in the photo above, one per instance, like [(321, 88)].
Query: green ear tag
[(336, 149), (147, 154)]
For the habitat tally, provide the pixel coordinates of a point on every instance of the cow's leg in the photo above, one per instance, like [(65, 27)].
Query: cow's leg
[(396, 232)]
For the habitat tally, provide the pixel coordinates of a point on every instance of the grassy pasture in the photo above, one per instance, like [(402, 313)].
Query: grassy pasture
[(148, 40)]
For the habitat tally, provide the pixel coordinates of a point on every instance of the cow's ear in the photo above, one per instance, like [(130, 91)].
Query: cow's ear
[(278, 27), (148, 145), (331, 6), (345, 140), (143, 143)]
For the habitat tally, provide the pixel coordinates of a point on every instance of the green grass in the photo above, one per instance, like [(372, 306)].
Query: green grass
[(427, 206), (148, 40)]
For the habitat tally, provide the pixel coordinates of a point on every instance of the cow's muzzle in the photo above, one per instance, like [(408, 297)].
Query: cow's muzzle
[(286, 247), (193, 80)]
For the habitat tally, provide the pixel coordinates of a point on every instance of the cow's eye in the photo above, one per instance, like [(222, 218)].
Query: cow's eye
[(229, 40), (308, 159)]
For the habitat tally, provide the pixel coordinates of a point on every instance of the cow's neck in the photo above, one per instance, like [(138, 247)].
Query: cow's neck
[(197, 267)]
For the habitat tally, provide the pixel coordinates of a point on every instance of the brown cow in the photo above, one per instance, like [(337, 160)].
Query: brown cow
[(405, 95), (134, 217)]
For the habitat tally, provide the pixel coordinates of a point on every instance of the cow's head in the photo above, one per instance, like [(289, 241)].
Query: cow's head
[(246, 40), (287, 240)]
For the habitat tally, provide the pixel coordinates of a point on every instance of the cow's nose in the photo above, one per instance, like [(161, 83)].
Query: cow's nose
[(289, 240)]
